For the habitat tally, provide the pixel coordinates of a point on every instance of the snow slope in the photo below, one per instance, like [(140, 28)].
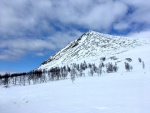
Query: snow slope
[(91, 46), (126, 92)]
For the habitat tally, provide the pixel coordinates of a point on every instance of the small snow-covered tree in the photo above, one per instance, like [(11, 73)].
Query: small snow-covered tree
[(91, 72), (128, 67), (101, 65), (115, 67), (140, 60), (109, 68), (143, 64), (73, 74), (6, 80)]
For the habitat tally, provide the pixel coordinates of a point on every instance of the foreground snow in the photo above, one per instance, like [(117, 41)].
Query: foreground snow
[(127, 92)]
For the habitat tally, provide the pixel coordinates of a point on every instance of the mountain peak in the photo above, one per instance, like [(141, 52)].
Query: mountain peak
[(91, 32), (90, 46)]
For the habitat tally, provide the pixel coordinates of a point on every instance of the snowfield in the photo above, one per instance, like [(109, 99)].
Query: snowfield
[(127, 92)]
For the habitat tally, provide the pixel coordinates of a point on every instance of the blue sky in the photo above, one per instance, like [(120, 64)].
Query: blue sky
[(31, 30)]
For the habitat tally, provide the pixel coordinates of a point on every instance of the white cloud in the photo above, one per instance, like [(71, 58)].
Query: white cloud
[(13, 49), (22, 19), (89, 14), (121, 26), (39, 54), (141, 11), (17, 16), (142, 34), (61, 39), (11, 54)]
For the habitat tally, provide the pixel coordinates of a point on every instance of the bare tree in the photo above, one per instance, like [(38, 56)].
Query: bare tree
[(73, 74), (128, 67), (143, 64)]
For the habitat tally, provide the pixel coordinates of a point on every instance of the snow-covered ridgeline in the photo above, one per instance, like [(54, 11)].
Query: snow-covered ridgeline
[(91, 46)]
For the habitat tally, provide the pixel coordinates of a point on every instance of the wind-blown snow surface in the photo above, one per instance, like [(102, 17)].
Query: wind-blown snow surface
[(127, 92)]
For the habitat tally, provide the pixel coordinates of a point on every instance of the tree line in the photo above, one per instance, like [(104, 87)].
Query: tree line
[(61, 73)]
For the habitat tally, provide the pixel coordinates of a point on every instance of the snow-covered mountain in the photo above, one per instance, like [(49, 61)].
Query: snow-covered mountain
[(123, 91), (90, 47)]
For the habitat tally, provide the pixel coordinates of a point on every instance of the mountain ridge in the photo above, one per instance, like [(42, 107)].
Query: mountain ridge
[(91, 45)]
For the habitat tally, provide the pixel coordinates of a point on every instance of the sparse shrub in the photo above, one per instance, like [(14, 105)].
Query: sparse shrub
[(69, 69), (6, 80), (129, 59), (103, 58), (140, 60), (73, 74), (101, 65), (115, 68), (91, 72), (143, 64), (113, 58), (89, 65), (81, 73), (128, 67), (111, 68)]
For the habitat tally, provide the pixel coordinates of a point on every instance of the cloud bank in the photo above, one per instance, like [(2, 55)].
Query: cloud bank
[(31, 27)]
